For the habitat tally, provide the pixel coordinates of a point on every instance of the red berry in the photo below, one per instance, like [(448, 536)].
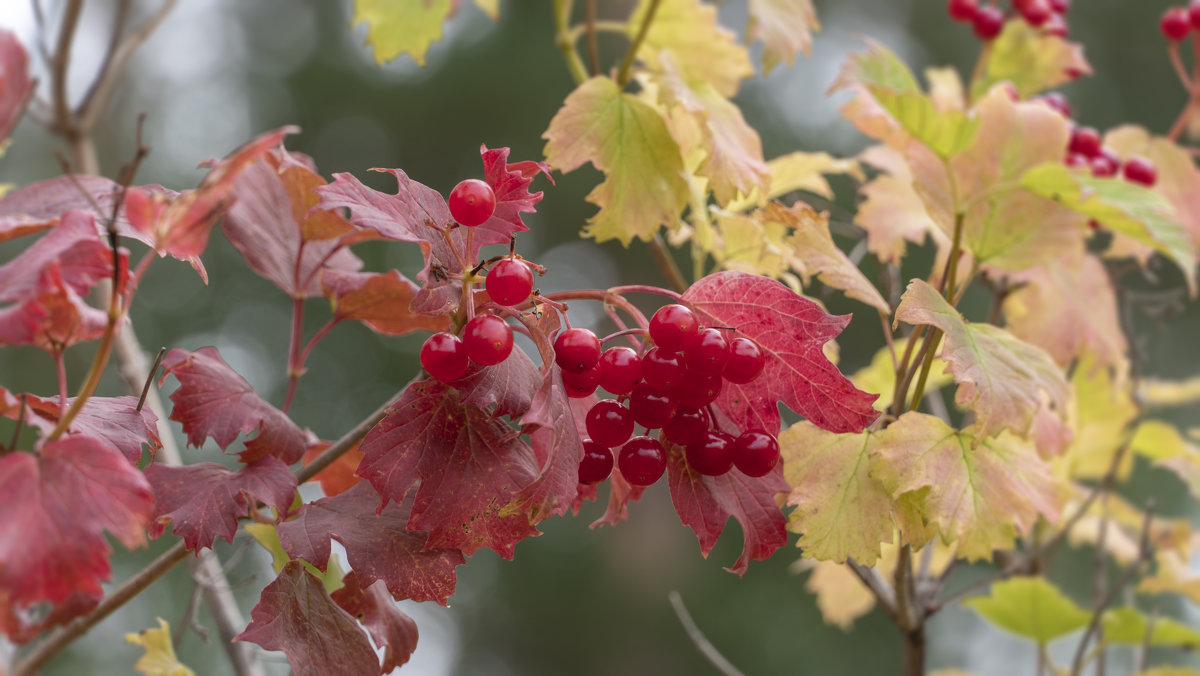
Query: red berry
[(444, 356), (674, 327), (962, 10), (709, 353), (1057, 102), (1035, 12), (1076, 161), (745, 361), (755, 453), (1106, 164), (662, 370), (577, 350), (597, 463), (1058, 27), (688, 425), (580, 385), (488, 339), (651, 409), (472, 202), (509, 282), (1085, 141), (609, 423), (712, 455), (1140, 170), (988, 22), (1060, 6), (642, 461), (698, 389), (1194, 14), (1175, 24), (620, 369)]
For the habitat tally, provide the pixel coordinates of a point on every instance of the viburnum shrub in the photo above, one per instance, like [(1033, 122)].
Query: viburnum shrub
[(722, 392)]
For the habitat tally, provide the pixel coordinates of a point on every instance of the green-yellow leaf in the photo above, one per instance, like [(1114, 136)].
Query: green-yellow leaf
[(749, 245), (1159, 440), (490, 7), (160, 659), (1173, 575), (799, 171), (401, 27), (703, 49), (1101, 414), (1031, 607), (841, 596), (892, 86), (266, 535), (1005, 380), (1122, 206), (1129, 625), (979, 494), (879, 377), (841, 511), (1157, 392), (1031, 60), (785, 28), (627, 139)]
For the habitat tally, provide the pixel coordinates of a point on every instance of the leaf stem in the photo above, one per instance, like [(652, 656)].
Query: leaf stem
[(60, 370), (295, 366), (631, 53), (666, 264), (562, 37), (590, 28)]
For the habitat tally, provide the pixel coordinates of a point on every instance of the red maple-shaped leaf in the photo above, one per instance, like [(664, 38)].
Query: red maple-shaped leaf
[(790, 330), (505, 389), (392, 629), (379, 300), (338, 477), (380, 547), (551, 426), (206, 500), (57, 506), (74, 245), (296, 615), (15, 83), (53, 317), (214, 401), (40, 205), (113, 419), (431, 438), (180, 226), (620, 494), (705, 503), (273, 224), (511, 182)]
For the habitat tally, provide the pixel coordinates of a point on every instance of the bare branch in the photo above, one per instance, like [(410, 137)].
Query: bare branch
[(698, 638)]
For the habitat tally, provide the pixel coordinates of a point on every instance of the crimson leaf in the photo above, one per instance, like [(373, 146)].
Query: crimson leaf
[(214, 401), (206, 500), (551, 425), (38, 206), (380, 547), (74, 244), (507, 386), (790, 330), (432, 438), (56, 507), (392, 629), (15, 84), (53, 317), (113, 419), (510, 182), (296, 615)]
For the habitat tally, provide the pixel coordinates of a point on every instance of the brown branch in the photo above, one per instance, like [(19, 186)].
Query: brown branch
[(666, 264), (96, 101), (698, 638), (590, 27)]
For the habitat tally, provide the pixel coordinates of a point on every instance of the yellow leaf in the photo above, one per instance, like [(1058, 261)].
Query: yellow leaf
[(1031, 60), (1172, 576), (785, 28), (159, 659), (1155, 392), (401, 27), (1159, 440), (841, 596), (266, 535), (1031, 607), (702, 48), (490, 7), (749, 245), (979, 494), (627, 139), (799, 171), (1169, 671), (1101, 414)]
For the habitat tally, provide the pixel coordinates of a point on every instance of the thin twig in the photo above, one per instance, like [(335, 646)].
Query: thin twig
[(874, 582), (698, 638), (58, 69), (150, 378), (666, 264), (20, 422), (590, 27), (631, 53)]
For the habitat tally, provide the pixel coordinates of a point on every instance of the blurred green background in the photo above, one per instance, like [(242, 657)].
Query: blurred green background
[(575, 601)]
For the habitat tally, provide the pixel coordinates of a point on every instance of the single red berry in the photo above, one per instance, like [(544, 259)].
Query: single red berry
[(580, 385), (577, 350), (1140, 170), (1056, 102), (688, 425), (609, 423), (651, 409), (662, 370), (509, 282), (1035, 12), (620, 369), (1193, 11), (712, 455), (1060, 6), (1106, 164), (1175, 24), (709, 353), (745, 361), (472, 202), (1085, 141), (1077, 161), (988, 22), (962, 10), (698, 389), (488, 339), (642, 461), (674, 327), (755, 453), (1057, 26), (597, 463), (444, 356)]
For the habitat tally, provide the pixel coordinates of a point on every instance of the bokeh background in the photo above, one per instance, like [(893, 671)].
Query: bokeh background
[(576, 600)]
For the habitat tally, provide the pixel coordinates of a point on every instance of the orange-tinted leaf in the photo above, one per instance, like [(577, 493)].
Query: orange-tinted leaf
[(785, 28), (1031, 60), (1178, 177), (379, 300), (892, 212), (390, 627), (338, 477)]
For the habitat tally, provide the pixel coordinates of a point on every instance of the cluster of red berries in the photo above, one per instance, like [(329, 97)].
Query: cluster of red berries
[(486, 339), (1177, 22), (667, 387), (1086, 150), (988, 20)]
